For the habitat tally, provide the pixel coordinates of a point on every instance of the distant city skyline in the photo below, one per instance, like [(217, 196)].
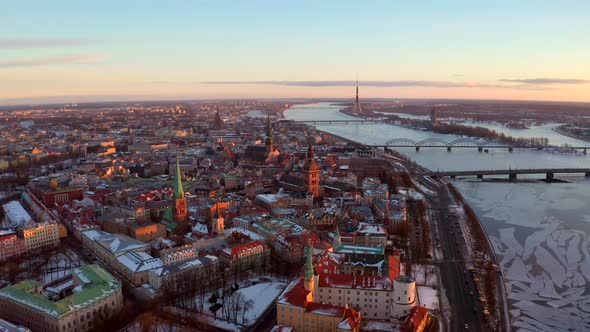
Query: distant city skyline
[(68, 51)]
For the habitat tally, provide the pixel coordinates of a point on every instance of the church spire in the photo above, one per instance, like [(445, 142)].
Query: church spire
[(337, 242), (178, 190), (308, 263), (269, 144)]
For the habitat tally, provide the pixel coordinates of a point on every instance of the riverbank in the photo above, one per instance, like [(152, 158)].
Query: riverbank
[(565, 133)]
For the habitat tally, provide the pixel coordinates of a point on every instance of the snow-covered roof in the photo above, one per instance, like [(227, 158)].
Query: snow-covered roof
[(139, 261), (16, 214), (181, 266), (115, 243), (96, 284)]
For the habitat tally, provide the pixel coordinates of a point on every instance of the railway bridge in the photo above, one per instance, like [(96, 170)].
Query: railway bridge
[(512, 173)]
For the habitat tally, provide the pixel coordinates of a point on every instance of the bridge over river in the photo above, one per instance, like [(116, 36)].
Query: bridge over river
[(512, 173), (463, 143)]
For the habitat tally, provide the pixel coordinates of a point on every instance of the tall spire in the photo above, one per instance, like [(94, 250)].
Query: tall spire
[(357, 105), (178, 190), (308, 262), (337, 242), (269, 144), (357, 88)]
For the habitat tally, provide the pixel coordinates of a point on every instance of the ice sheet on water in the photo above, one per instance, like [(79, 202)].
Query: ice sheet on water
[(517, 270), (520, 285), (507, 238), (515, 312), (529, 324), (555, 319), (549, 288), (573, 254), (551, 265), (516, 296), (549, 279), (571, 297), (540, 236)]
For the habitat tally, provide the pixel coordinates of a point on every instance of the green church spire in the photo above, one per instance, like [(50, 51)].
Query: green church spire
[(178, 190), (309, 263), (337, 244)]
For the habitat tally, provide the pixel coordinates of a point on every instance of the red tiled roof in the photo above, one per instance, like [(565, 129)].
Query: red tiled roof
[(394, 266), (235, 251), (354, 281), (415, 318), (352, 318), (295, 294), (325, 309)]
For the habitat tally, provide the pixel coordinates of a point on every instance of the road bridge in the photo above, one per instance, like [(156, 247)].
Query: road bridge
[(512, 173)]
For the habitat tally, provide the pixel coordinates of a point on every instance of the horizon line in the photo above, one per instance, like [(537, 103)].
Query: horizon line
[(205, 99)]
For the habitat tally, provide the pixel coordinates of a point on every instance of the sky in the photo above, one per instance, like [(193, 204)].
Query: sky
[(74, 51)]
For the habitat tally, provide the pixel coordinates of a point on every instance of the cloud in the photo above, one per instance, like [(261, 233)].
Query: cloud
[(80, 58), (400, 83), (21, 43), (546, 81)]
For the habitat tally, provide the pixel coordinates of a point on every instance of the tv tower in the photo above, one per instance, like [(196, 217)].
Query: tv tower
[(357, 105)]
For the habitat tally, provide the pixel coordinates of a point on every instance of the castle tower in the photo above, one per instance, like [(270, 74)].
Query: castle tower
[(404, 296), (269, 143), (180, 210), (357, 105), (309, 280), (311, 172)]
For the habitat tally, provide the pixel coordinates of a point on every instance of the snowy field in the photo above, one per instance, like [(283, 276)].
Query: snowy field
[(263, 295), (424, 274), (541, 234), (260, 295), (428, 297)]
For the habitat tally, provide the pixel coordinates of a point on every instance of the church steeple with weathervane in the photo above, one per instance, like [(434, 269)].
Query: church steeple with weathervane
[(180, 210)]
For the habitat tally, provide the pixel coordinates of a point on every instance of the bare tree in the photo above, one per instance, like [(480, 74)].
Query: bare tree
[(245, 308)]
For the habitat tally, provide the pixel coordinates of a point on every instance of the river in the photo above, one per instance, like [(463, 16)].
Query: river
[(540, 231)]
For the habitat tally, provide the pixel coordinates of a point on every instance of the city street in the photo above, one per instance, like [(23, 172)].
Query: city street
[(467, 311)]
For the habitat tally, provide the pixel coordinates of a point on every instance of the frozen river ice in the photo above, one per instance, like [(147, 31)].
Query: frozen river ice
[(540, 234)]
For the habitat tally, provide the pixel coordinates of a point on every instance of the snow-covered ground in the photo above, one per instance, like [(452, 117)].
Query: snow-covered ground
[(541, 235), (424, 274), (428, 297), (262, 295), (260, 292)]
